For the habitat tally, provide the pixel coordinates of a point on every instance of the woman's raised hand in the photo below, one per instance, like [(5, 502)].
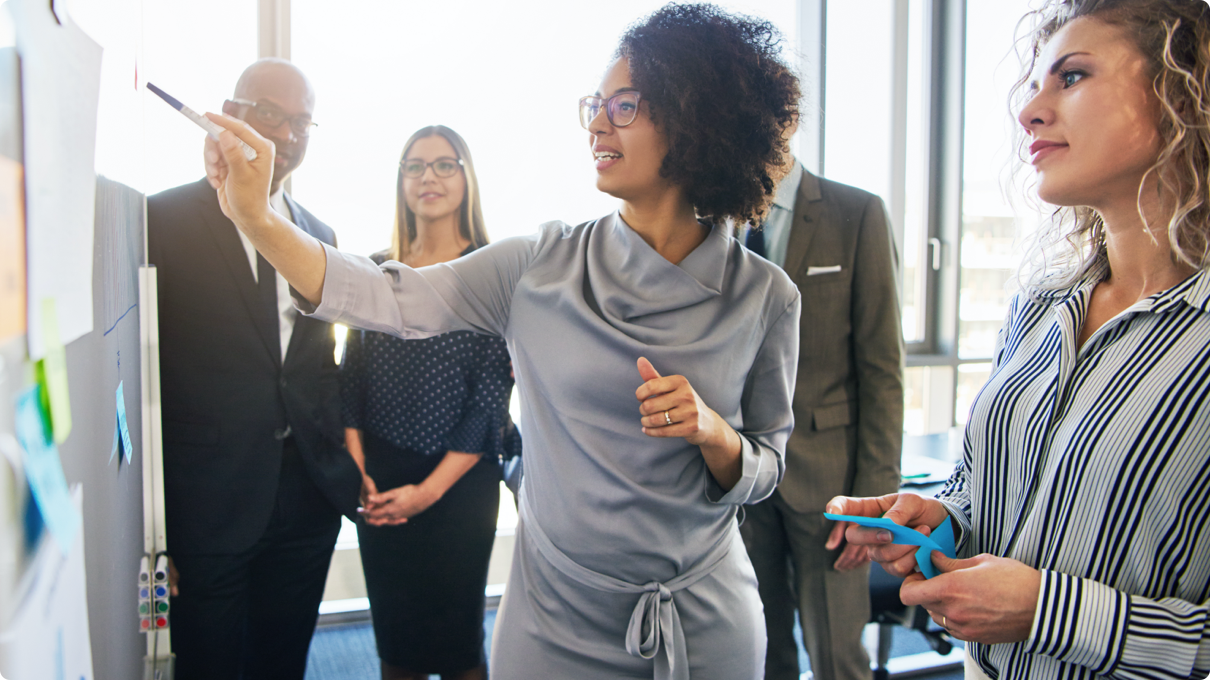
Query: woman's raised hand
[(670, 407), (242, 185), (243, 195)]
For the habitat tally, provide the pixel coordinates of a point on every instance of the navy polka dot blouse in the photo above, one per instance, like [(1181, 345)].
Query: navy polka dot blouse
[(445, 393)]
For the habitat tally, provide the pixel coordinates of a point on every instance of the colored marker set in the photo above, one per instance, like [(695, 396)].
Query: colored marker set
[(153, 594)]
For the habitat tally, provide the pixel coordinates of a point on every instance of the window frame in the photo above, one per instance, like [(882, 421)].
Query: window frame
[(944, 78)]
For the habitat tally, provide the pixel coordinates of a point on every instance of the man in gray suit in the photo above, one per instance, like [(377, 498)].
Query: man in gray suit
[(836, 244)]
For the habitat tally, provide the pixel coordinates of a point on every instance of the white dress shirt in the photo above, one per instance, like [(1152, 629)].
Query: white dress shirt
[(285, 306)]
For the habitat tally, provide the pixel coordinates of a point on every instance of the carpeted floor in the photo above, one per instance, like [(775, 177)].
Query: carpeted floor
[(346, 652)]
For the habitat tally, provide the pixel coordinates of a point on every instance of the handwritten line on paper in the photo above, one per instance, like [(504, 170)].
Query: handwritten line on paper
[(115, 323)]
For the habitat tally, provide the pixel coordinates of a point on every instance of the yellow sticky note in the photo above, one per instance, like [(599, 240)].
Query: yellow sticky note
[(12, 249), (52, 374)]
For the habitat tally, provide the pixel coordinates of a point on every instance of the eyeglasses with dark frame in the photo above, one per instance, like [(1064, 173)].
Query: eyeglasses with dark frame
[(271, 116), (621, 109), (413, 168)]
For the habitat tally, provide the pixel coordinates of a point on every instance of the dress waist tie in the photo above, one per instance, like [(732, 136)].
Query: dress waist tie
[(655, 612)]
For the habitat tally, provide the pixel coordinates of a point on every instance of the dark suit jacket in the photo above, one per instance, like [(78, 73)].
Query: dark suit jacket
[(226, 400), (848, 402)]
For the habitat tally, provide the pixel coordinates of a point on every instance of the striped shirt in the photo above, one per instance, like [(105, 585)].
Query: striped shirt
[(1093, 466)]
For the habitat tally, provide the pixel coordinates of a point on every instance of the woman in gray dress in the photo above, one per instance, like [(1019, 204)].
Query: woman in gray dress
[(654, 355)]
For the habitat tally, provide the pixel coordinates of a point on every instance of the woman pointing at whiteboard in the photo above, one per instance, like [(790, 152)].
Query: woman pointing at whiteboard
[(654, 355)]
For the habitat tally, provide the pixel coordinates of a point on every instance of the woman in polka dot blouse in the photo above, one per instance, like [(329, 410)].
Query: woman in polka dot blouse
[(424, 420)]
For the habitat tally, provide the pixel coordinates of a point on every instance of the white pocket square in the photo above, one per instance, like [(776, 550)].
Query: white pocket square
[(816, 271)]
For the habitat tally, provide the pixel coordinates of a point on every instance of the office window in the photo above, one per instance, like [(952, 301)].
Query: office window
[(916, 111), (914, 401), (990, 228), (875, 125), (119, 111), (858, 116), (507, 77), (195, 52)]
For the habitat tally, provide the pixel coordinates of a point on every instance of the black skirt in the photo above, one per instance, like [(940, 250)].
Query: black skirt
[(425, 579)]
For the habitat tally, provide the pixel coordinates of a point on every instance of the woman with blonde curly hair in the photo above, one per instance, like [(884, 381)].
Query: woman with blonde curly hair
[(1082, 501)]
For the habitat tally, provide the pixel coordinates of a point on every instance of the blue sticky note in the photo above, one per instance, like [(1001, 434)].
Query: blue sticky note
[(127, 447), (941, 540), (44, 470)]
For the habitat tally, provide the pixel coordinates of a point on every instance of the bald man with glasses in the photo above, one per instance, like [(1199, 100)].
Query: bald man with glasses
[(255, 473)]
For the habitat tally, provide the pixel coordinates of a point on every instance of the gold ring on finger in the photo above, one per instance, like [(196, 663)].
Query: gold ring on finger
[(667, 418)]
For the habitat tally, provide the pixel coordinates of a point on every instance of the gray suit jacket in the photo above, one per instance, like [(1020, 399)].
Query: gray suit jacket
[(848, 403)]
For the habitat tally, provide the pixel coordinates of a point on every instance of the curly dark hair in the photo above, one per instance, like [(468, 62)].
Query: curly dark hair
[(721, 94)]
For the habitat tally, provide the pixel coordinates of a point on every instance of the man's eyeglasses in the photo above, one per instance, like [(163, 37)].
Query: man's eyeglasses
[(620, 109), (270, 116), (442, 167)]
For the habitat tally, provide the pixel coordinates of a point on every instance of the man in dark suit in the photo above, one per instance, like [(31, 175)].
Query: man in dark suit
[(835, 243), (255, 473)]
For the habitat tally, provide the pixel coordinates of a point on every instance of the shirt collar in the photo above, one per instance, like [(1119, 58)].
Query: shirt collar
[(1193, 291), (787, 191), (1090, 278), (630, 280)]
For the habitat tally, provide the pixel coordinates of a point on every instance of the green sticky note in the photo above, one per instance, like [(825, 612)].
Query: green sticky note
[(52, 374)]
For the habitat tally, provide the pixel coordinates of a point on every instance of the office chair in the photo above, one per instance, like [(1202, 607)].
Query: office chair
[(888, 611)]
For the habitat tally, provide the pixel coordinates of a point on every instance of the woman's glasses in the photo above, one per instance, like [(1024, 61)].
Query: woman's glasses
[(442, 167), (620, 109)]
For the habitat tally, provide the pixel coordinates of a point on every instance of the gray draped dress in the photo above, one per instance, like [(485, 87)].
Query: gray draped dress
[(628, 560)]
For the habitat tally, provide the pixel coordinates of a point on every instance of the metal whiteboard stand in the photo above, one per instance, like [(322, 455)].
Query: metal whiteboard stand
[(159, 664)]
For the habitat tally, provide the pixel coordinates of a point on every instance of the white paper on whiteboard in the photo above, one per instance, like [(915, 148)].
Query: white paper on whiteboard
[(61, 83), (48, 636)]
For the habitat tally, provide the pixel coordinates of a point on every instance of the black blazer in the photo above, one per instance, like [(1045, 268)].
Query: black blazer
[(223, 393)]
